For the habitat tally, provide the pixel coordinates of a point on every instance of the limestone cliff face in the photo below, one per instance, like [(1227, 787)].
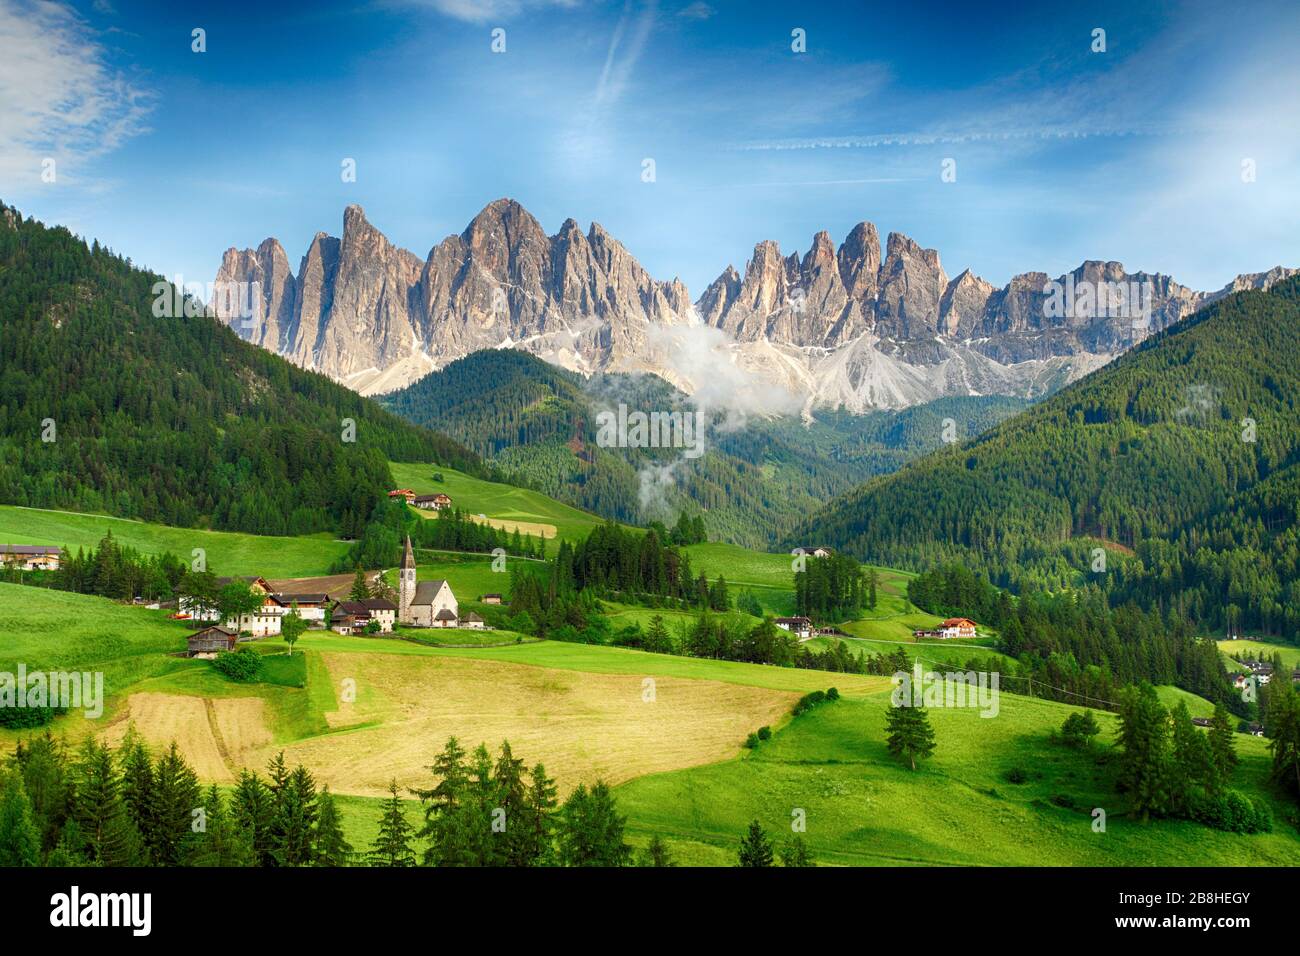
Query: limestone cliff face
[(839, 326)]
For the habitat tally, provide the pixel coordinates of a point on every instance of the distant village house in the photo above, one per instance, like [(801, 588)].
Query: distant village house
[(953, 627), (432, 502), (30, 557), (800, 627)]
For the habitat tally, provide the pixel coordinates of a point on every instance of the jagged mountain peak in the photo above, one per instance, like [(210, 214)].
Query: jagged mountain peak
[(856, 325)]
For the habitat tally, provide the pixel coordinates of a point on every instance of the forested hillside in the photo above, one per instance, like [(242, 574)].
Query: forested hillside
[(105, 407), (1180, 458), (537, 424)]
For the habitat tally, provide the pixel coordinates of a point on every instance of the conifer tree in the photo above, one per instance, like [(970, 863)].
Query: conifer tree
[(329, 848), (176, 797), (254, 811), (109, 836), (392, 847), (222, 841), (795, 852), (591, 829), (910, 733), (20, 840), (1223, 751), (755, 847), (656, 854), (1144, 743)]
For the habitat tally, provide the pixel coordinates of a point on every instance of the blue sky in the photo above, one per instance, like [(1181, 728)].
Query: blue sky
[(1062, 154)]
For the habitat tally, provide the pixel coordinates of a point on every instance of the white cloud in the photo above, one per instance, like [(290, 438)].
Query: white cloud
[(482, 11), (622, 56), (59, 97)]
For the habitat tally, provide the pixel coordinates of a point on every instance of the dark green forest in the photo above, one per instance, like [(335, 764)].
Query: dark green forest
[(537, 424), (105, 407), (1180, 461)]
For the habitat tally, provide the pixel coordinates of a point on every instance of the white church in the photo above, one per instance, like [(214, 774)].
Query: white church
[(426, 603)]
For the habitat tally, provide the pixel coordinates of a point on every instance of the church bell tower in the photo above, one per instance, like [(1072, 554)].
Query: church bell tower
[(406, 584)]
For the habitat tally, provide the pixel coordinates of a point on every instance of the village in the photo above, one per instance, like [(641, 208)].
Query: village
[(419, 604)]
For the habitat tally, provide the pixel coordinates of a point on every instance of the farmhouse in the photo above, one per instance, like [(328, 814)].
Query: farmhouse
[(382, 612), (350, 617), (816, 550), (30, 557), (432, 502), (800, 627), (208, 642), (405, 493), (311, 607), (953, 627), (490, 599)]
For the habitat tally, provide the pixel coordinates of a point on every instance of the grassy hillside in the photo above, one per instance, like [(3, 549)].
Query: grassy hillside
[(503, 503), (227, 552), (960, 808), (1185, 450)]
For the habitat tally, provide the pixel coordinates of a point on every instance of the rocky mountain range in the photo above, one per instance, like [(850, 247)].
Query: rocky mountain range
[(842, 327)]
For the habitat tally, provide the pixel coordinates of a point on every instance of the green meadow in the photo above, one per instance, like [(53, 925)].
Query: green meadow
[(1259, 650), (226, 552), (862, 807), (495, 500)]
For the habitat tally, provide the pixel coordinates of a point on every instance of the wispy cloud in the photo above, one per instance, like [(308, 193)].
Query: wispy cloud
[(625, 47), (59, 97), (483, 11)]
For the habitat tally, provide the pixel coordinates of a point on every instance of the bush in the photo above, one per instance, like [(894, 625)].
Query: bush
[(751, 741), (243, 665), (23, 718), (1079, 729), (832, 694), (1231, 811), (765, 732), (808, 701), (1017, 775)]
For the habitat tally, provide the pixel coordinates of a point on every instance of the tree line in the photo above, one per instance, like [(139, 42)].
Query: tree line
[(97, 806)]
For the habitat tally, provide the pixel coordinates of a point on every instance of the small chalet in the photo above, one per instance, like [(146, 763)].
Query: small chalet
[(1202, 722), (953, 627), (816, 550), (491, 599), (472, 620), (404, 493), (210, 641), (432, 502), (30, 557), (800, 627), (445, 618), (1255, 729)]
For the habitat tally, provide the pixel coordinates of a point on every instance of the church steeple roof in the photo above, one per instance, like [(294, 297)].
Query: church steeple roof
[(408, 559)]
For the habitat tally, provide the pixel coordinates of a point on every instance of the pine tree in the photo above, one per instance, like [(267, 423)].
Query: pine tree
[(1192, 768), (1283, 722), (1223, 751), (393, 845), (1144, 742), (795, 852), (910, 733), (176, 796), (755, 847), (540, 806), (108, 835), (656, 854), (138, 788), (254, 811), (20, 840), (360, 590), (294, 820), (329, 847), (442, 804), (591, 830), (222, 841)]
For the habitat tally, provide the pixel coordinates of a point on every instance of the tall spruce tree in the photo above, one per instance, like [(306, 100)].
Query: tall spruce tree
[(755, 847), (392, 847), (329, 846), (591, 829), (910, 733), (20, 840)]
